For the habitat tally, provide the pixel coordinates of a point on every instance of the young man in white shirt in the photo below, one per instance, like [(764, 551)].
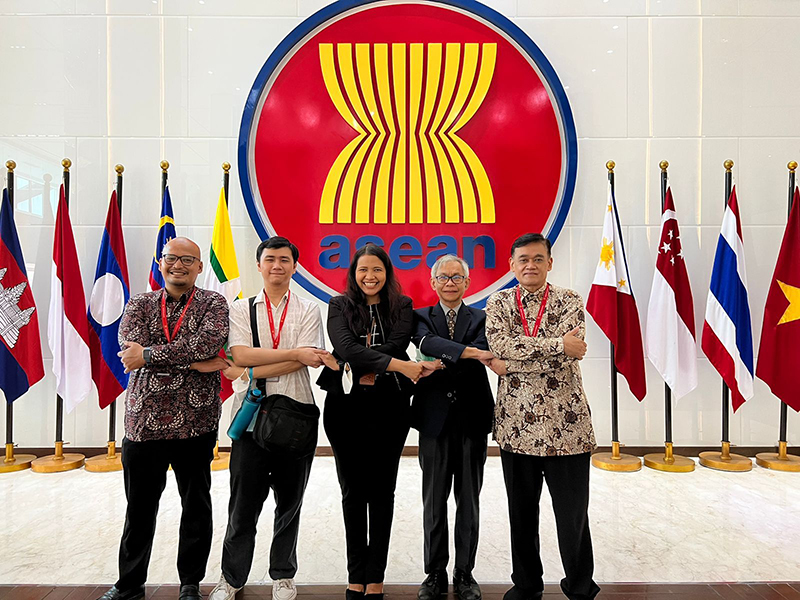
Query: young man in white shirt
[(291, 339)]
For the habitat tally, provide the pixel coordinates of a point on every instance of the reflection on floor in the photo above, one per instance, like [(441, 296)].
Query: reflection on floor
[(705, 526)]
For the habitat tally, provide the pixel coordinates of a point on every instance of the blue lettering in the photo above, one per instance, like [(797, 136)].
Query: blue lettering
[(450, 247), (398, 253), (485, 242), (337, 256)]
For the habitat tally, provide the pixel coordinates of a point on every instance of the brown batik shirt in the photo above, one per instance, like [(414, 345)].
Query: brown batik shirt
[(541, 407), (166, 399)]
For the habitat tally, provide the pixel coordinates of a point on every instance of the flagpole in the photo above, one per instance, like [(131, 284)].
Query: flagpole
[(222, 460), (614, 460), (59, 461), (724, 460), (667, 461), (12, 462), (164, 176), (111, 461), (782, 460)]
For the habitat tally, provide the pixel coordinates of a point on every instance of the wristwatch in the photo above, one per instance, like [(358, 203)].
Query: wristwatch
[(146, 355)]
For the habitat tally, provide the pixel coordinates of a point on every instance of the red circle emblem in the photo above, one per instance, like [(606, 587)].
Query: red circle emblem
[(426, 127)]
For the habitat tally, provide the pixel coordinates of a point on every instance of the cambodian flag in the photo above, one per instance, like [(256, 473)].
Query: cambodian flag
[(20, 351), (166, 232), (110, 294), (727, 336)]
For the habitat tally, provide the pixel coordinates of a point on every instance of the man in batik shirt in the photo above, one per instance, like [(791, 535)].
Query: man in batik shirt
[(542, 419)]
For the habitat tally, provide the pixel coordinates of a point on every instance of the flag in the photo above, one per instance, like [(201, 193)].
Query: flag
[(779, 354), (727, 337), (110, 294), (166, 232), (671, 342), (21, 351), (223, 276), (68, 328), (612, 305)]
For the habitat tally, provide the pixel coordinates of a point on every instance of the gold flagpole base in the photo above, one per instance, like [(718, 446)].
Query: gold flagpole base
[(105, 463), (725, 461), (15, 462), (779, 461), (221, 460), (58, 462), (668, 461), (614, 461)]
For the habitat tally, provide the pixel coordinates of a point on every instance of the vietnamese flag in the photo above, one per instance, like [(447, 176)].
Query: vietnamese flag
[(779, 354)]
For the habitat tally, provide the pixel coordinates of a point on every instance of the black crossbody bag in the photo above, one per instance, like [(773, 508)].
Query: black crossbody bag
[(284, 425)]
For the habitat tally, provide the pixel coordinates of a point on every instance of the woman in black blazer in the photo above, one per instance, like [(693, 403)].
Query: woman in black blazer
[(370, 326)]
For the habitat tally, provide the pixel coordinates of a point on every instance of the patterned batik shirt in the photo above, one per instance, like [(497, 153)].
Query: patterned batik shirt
[(167, 400), (541, 407)]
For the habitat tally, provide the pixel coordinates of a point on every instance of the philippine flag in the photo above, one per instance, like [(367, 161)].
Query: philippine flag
[(67, 327), (110, 294), (20, 348), (727, 336)]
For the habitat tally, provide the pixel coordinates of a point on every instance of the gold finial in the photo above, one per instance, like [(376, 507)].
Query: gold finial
[(610, 166), (66, 163), (663, 164), (792, 165), (728, 164), (226, 166), (119, 169), (11, 165), (164, 165)]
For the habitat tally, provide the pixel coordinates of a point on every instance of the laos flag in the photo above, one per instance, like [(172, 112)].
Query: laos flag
[(110, 294), (20, 350)]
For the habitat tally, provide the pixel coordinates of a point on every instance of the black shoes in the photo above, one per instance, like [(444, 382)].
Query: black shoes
[(114, 594), (435, 585), (189, 591), (516, 593), (353, 594), (466, 586)]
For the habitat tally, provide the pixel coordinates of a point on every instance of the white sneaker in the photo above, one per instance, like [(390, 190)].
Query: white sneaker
[(283, 589), (223, 591)]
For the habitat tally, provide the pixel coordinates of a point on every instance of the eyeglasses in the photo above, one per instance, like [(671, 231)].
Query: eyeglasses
[(443, 279), (186, 261)]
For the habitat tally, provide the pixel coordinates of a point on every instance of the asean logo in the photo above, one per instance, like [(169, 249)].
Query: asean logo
[(425, 126)]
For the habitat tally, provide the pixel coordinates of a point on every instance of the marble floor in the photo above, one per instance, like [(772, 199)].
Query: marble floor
[(705, 526)]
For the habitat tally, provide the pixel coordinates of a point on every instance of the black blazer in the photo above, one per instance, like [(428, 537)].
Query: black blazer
[(463, 386), (348, 345)]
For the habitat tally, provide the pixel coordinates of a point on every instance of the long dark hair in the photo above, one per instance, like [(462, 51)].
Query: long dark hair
[(391, 294)]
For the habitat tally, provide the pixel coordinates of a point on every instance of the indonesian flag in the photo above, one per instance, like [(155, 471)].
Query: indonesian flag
[(612, 305), (671, 345), (67, 327), (727, 336), (779, 355), (223, 276)]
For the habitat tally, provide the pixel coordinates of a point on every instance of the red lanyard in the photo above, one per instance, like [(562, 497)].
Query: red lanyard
[(180, 319), (538, 317), (277, 340)]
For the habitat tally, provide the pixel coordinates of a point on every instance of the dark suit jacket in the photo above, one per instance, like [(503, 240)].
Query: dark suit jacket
[(463, 386)]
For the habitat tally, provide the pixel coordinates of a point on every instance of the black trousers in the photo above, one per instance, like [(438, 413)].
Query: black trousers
[(367, 431), (145, 466), (567, 480), (253, 472), (453, 460)]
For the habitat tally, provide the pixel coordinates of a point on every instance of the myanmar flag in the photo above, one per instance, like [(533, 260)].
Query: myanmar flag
[(223, 276)]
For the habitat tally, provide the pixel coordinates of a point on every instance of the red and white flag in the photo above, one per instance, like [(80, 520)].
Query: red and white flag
[(68, 327), (612, 305), (671, 340)]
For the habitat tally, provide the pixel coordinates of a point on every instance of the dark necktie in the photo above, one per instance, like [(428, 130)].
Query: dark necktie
[(451, 322)]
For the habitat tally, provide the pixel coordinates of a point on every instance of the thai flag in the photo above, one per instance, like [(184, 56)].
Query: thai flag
[(20, 349), (727, 336), (166, 232), (110, 294)]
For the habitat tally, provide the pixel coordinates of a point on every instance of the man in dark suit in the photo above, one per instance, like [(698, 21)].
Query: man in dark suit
[(452, 410)]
